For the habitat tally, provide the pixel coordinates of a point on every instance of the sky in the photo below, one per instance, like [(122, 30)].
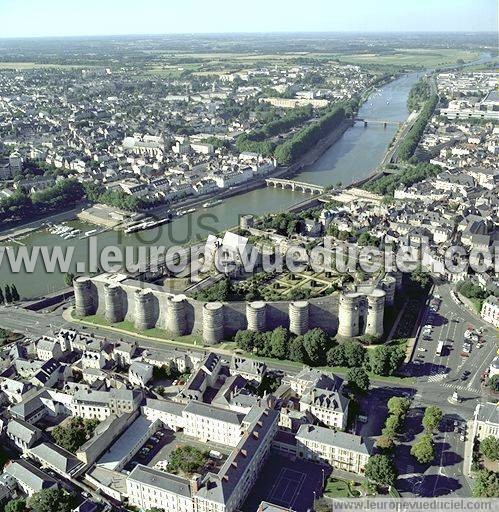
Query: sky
[(35, 18)]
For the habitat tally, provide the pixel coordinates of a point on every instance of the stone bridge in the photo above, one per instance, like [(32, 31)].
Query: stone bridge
[(306, 188)]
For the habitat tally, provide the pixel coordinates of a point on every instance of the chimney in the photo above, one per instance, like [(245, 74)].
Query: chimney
[(195, 483), (244, 453), (255, 434)]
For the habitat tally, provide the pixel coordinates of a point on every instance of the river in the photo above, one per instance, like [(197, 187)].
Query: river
[(354, 156)]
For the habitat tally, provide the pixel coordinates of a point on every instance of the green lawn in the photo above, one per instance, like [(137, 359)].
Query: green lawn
[(129, 327), (336, 488)]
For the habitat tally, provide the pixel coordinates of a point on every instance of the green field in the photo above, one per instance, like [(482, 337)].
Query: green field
[(35, 65), (417, 57)]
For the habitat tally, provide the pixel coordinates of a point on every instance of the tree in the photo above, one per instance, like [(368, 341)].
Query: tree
[(51, 500), (8, 294), (18, 505), (431, 418), (486, 484), (494, 383), (186, 459), (354, 353), (336, 356), (279, 343), (423, 279), (392, 426), (358, 379), (14, 293), (69, 278), (381, 470), (490, 448), (398, 406), (245, 340), (423, 450), (385, 360), (315, 343), (296, 350), (74, 433), (385, 442)]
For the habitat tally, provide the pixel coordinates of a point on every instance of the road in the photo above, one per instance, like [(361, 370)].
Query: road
[(445, 475), (446, 370)]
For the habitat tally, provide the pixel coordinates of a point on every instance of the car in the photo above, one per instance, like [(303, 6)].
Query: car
[(421, 349), (154, 439), (462, 437)]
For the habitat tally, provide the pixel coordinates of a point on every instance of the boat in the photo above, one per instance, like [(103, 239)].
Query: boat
[(209, 204), (191, 210)]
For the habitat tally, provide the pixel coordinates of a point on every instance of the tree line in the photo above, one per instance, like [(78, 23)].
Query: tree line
[(22, 206), (316, 348), (303, 140), (386, 185), (410, 143)]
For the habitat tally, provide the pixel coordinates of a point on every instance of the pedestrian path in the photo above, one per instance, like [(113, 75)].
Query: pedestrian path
[(461, 387)]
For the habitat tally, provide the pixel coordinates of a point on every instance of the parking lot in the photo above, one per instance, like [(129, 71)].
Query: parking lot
[(453, 347)]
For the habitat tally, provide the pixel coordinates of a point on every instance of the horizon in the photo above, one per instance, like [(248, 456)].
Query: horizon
[(241, 33), (54, 19)]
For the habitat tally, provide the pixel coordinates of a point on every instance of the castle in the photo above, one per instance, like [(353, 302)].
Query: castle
[(118, 297)]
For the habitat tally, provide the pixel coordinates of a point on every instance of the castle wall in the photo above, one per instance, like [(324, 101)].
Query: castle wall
[(147, 305)]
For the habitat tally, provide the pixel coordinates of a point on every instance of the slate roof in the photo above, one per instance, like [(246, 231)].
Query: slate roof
[(330, 437), (161, 480)]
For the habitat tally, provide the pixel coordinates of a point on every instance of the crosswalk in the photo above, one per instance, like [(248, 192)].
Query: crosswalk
[(437, 377), (441, 376), (461, 387)]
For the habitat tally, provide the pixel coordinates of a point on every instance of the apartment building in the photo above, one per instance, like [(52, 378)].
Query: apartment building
[(208, 423), (486, 421), (90, 404), (149, 488), (222, 492), (340, 450), (490, 310)]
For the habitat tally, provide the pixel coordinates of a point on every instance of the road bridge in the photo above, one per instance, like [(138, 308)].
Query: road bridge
[(306, 188), (377, 121)]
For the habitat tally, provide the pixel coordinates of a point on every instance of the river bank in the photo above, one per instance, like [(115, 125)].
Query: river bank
[(347, 155)]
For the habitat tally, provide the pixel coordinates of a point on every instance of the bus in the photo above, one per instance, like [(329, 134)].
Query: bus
[(440, 348)]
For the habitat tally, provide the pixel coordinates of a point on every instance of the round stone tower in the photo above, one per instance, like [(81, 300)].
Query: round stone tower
[(144, 313), (113, 303), (175, 315), (246, 221), (389, 285), (298, 317), (256, 313), (84, 301), (348, 315), (213, 322), (376, 309)]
